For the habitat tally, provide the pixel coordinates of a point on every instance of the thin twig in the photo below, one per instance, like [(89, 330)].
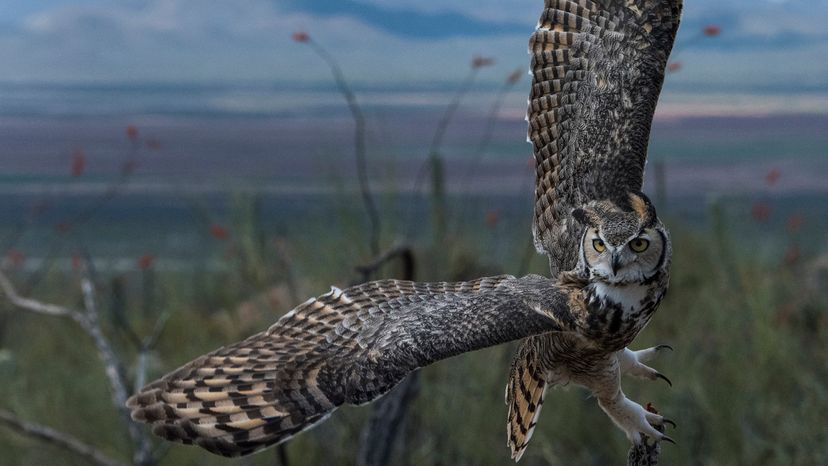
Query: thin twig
[(35, 306), (57, 438), (283, 255), (147, 345), (359, 143), (433, 161), (488, 130), (448, 114), (69, 226), (403, 252)]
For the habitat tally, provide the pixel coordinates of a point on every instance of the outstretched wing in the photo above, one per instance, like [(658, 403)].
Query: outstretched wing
[(597, 68), (343, 347)]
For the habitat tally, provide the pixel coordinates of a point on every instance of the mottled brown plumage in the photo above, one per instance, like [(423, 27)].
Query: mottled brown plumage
[(346, 346), (597, 68), (597, 71)]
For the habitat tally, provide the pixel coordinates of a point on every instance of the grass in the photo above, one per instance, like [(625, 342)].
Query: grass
[(750, 370)]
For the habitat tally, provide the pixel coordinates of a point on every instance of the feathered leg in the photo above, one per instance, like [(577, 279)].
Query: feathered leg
[(605, 383), (524, 397)]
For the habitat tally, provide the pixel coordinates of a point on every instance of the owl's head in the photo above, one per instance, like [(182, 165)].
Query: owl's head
[(623, 242)]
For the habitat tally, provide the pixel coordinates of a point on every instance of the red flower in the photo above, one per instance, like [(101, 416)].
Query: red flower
[(491, 218), (301, 37), (795, 223), (76, 262), (515, 76), (15, 257), (651, 408), (672, 67), (773, 176), (146, 261), (480, 62), (78, 163), (760, 211), (132, 132), (712, 30), (219, 232), (63, 227)]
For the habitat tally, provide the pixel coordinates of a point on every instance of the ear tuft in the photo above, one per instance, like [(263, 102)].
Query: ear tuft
[(641, 205)]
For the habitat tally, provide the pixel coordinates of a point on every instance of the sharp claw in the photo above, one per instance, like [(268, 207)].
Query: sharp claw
[(669, 421), (661, 347), (662, 377), (668, 439)]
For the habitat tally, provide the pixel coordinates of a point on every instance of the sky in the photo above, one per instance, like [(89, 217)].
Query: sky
[(772, 55)]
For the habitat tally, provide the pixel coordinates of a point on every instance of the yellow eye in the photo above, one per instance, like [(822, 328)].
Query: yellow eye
[(599, 245), (639, 245)]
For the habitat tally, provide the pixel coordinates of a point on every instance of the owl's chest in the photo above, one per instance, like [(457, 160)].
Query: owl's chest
[(616, 313)]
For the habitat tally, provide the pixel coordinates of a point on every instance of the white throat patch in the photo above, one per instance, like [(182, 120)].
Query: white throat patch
[(628, 296)]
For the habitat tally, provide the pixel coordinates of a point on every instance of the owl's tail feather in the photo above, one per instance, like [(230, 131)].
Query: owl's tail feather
[(524, 397), (231, 403)]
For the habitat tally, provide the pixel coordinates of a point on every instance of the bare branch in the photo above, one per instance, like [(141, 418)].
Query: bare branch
[(376, 443), (32, 305), (112, 368), (57, 438), (90, 324), (645, 453), (403, 252), (359, 143)]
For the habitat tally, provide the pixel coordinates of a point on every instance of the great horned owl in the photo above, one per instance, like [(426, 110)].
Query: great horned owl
[(597, 69)]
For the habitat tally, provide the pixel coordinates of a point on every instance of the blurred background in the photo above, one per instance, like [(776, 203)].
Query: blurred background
[(204, 167)]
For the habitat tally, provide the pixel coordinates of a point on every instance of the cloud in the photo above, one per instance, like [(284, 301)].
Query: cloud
[(407, 22), (232, 40), (766, 46), (752, 24)]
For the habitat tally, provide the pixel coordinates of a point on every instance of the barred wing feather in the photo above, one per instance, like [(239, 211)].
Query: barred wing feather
[(597, 71), (347, 346)]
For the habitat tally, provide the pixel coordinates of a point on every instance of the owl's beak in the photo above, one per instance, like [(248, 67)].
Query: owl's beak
[(616, 263)]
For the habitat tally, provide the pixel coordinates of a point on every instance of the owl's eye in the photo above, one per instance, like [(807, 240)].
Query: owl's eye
[(599, 245), (639, 245)]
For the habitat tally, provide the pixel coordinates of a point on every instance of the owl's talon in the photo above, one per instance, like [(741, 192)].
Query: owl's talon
[(664, 420), (632, 363), (668, 439), (664, 378)]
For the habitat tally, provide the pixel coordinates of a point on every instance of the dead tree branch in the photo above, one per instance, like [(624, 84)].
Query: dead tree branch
[(645, 453), (388, 416), (89, 322), (57, 438), (403, 252), (376, 442)]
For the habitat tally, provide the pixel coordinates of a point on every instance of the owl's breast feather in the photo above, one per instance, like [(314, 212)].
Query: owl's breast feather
[(615, 314)]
